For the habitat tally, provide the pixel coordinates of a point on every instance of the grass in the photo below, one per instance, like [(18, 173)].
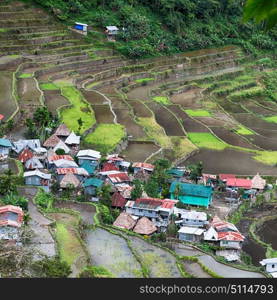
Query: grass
[(197, 113), (79, 109), (244, 131), (155, 132), (272, 119), (162, 99), (206, 140), (182, 146), (26, 75), (3, 29), (144, 79), (106, 137), (49, 86), (267, 157), (68, 243)]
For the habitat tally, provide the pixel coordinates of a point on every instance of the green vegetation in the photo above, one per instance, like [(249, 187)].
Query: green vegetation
[(26, 75), (162, 27), (248, 93), (142, 80), (272, 119), (49, 86), (244, 131), (51, 268), (79, 110), (96, 272), (266, 157), (106, 137), (162, 99), (197, 113), (206, 140)]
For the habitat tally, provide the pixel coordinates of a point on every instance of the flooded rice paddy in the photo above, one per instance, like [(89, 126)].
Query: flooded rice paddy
[(139, 151), (268, 233)]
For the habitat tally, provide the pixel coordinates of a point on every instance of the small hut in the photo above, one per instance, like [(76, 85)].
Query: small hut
[(125, 221), (258, 183), (145, 226), (70, 179), (51, 142), (62, 131)]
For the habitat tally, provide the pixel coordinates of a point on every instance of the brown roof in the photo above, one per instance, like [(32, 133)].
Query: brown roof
[(124, 220), (70, 179), (51, 142), (62, 130), (118, 200), (145, 226), (25, 155)]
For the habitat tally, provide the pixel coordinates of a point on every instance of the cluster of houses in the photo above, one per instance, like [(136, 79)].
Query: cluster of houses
[(60, 160)]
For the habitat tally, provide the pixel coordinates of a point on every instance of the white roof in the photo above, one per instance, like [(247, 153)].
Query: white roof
[(73, 139), (40, 150), (106, 173), (37, 173), (195, 215), (61, 145), (268, 261), (33, 163), (125, 164), (64, 163), (211, 235), (89, 153), (81, 24), (112, 28), (191, 230), (258, 182), (21, 144), (130, 203)]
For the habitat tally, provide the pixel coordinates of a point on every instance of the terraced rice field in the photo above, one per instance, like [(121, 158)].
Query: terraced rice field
[(112, 252), (7, 102)]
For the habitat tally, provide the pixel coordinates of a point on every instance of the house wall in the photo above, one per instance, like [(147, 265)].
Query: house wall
[(230, 244), (4, 150), (142, 212), (33, 180), (271, 267), (90, 190), (193, 222), (189, 237)]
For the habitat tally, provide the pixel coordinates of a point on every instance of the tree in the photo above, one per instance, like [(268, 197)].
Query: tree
[(177, 191), (16, 200), (137, 190), (151, 187), (7, 183), (60, 151), (104, 193), (196, 171), (80, 123), (261, 11)]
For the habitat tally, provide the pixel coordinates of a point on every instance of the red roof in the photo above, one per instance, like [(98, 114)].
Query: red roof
[(109, 167), (118, 200), (230, 236), (14, 209), (25, 155), (58, 157), (168, 203), (143, 165), (119, 177), (62, 171), (150, 201), (226, 176), (239, 182), (1, 117)]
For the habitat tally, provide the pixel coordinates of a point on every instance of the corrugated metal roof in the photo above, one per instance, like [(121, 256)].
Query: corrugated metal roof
[(119, 177), (62, 130), (93, 182), (5, 143), (239, 182), (189, 189), (25, 155), (58, 157), (143, 165), (230, 236), (109, 167), (77, 171)]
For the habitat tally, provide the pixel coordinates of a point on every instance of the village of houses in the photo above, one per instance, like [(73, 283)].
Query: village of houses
[(201, 218)]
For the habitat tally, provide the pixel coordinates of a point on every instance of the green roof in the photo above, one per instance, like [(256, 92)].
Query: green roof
[(88, 167), (175, 172), (93, 182), (189, 189), (5, 143)]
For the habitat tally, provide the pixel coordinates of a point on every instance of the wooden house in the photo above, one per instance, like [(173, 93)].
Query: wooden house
[(190, 234), (91, 184), (38, 178), (194, 218), (5, 147)]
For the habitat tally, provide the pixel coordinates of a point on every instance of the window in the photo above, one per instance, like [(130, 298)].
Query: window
[(273, 266)]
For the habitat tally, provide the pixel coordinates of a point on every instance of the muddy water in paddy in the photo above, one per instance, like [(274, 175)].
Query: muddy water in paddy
[(54, 100), (112, 252), (133, 129), (7, 103), (256, 109), (264, 142), (103, 114), (254, 122), (268, 233), (138, 151), (189, 98), (166, 119), (230, 161), (93, 98), (232, 138), (140, 110)]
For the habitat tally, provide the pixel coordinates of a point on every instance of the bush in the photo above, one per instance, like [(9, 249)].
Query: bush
[(95, 272), (52, 268)]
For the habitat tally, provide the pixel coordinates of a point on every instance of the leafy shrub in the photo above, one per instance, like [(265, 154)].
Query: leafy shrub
[(52, 268)]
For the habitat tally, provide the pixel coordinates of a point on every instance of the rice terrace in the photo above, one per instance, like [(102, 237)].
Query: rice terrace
[(98, 123)]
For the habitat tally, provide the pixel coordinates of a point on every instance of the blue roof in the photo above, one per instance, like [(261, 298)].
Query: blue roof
[(189, 189), (93, 182), (5, 143), (175, 172), (88, 167)]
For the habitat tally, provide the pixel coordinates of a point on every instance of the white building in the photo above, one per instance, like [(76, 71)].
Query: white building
[(270, 265), (190, 234)]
